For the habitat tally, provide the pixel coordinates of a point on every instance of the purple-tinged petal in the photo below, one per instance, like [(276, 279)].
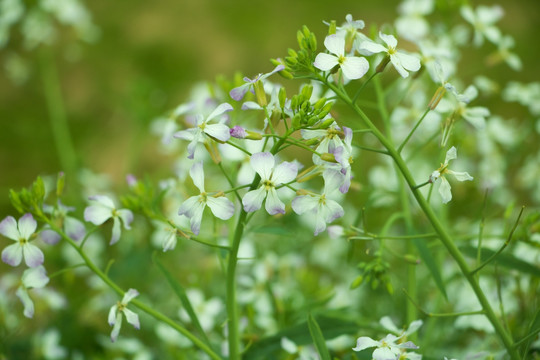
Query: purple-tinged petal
[(12, 254), (332, 211), (187, 208), (97, 214), (8, 228), (276, 69), (320, 224), (344, 188), (325, 62), (196, 218), (116, 231), (218, 131), (250, 105), (332, 180), (50, 237), (365, 342), (252, 200), (27, 302), (407, 345), (263, 163), (220, 110), (239, 92), (285, 172), (126, 216), (35, 277), (27, 226), (116, 329), (112, 315), (188, 134), (33, 256), (273, 204), (74, 228), (221, 207), (132, 318)]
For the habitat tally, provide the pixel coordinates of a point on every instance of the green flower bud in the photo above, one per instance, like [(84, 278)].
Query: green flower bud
[(312, 42), (325, 110), (312, 120), (332, 27), (307, 91), (253, 135), (60, 182), (296, 121), (328, 157), (260, 94), (290, 61), (326, 123), (300, 39), (282, 96), (319, 104)]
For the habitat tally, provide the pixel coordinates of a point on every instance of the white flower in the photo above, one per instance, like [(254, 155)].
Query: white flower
[(326, 210), (20, 233), (388, 324), (263, 163), (401, 61), (32, 278), (73, 227), (483, 20), (444, 189), (193, 207), (202, 130), (238, 92), (475, 115), (104, 210), (115, 314), (353, 67), (387, 349), (411, 24)]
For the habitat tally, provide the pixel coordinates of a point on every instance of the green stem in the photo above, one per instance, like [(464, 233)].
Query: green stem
[(147, 309), (444, 236), (57, 114), (412, 131)]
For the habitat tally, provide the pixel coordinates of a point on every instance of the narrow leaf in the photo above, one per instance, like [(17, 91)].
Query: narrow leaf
[(503, 259), (318, 338), (429, 260), (181, 293)]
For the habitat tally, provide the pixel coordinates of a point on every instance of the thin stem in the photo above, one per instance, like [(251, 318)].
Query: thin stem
[(57, 114), (412, 131), (355, 97)]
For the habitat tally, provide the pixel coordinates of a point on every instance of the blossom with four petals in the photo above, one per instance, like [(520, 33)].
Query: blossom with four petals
[(103, 210), (115, 314), (271, 176), (353, 67), (193, 207), (20, 232), (444, 189)]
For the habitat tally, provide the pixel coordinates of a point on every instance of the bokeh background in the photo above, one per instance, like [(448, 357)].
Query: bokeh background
[(149, 54)]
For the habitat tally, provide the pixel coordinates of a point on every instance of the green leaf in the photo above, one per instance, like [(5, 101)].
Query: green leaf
[(503, 259), (318, 338), (269, 347), (16, 200), (38, 190), (431, 264), (534, 328), (181, 293)]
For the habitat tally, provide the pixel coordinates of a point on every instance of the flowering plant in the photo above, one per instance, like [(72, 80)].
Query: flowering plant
[(321, 218)]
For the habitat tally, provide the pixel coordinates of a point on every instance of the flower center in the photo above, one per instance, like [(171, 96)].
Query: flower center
[(391, 51), (23, 241), (268, 184), (341, 59)]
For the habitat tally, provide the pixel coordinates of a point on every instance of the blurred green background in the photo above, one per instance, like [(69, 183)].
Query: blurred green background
[(148, 56)]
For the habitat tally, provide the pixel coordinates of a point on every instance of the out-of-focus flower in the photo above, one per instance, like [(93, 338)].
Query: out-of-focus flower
[(193, 207), (20, 232), (444, 189), (387, 348), (32, 278), (411, 25), (103, 210), (483, 20), (115, 314), (74, 228)]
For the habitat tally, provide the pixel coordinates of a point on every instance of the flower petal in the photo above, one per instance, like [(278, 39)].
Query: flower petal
[(196, 218), (116, 231), (50, 237), (409, 62), (116, 329), (197, 175), (460, 175), (397, 65), (74, 228), (273, 204), (365, 342), (112, 315), (354, 67), (12, 254), (220, 110), (8, 228), (252, 200), (126, 216), (33, 256), (304, 203), (35, 277), (445, 191), (28, 304), (221, 207), (189, 206), (332, 211), (372, 47), (218, 131), (132, 318), (390, 40), (263, 163), (97, 214), (27, 226), (103, 200), (325, 62), (451, 154), (239, 92), (285, 172), (335, 44)]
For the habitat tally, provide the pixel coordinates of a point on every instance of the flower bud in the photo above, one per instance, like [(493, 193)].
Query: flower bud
[(295, 122), (307, 90), (302, 192), (326, 123), (411, 259), (437, 97), (382, 65), (253, 135), (312, 142), (290, 61), (329, 157), (325, 110), (332, 27), (286, 74), (319, 105), (312, 42), (300, 39), (282, 96), (260, 94), (312, 120), (292, 53), (60, 182), (238, 132)]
